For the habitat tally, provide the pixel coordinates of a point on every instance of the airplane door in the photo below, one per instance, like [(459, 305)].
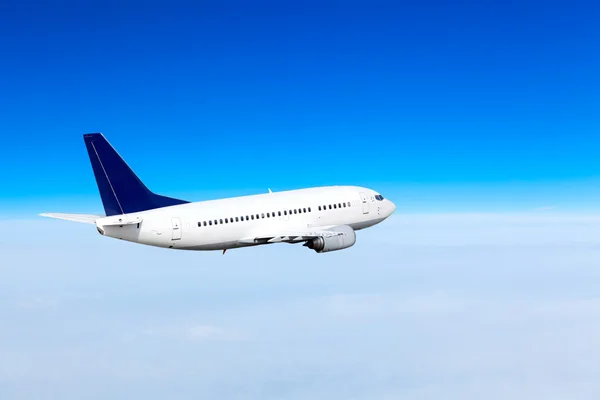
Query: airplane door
[(365, 203), (176, 223)]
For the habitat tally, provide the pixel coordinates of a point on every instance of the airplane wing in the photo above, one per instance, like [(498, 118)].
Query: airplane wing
[(292, 237), (83, 218)]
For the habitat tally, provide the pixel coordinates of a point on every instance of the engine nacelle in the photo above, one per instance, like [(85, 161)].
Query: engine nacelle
[(325, 243)]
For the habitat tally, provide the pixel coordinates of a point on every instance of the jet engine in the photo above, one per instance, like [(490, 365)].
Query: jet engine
[(341, 237)]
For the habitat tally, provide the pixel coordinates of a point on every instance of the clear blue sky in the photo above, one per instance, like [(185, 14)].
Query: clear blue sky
[(455, 105)]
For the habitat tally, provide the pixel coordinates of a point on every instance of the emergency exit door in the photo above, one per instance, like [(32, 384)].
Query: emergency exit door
[(176, 223)]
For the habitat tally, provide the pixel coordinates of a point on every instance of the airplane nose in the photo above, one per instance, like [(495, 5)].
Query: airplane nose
[(391, 207)]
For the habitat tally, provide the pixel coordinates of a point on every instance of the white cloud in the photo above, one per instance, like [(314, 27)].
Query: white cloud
[(192, 332), (35, 304), (474, 306)]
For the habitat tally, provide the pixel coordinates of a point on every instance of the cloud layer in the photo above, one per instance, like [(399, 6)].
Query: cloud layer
[(423, 307)]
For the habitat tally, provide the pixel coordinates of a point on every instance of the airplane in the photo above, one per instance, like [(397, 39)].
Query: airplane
[(324, 219)]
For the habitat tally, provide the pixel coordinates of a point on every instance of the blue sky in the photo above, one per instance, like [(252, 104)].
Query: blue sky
[(440, 105)]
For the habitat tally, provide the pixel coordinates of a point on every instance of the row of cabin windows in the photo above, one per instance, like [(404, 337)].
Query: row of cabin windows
[(254, 216), (334, 206)]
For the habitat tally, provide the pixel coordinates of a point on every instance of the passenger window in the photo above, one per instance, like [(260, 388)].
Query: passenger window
[(319, 208), (262, 215), (216, 222), (236, 219), (309, 209), (339, 205), (199, 224), (284, 212), (256, 216), (220, 221), (252, 216), (210, 223), (334, 206), (226, 220), (330, 206), (295, 211), (279, 213)]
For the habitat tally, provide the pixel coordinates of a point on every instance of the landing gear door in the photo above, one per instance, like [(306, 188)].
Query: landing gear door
[(176, 224), (365, 203)]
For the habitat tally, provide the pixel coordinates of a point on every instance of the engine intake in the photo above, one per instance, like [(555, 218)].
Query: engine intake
[(322, 244)]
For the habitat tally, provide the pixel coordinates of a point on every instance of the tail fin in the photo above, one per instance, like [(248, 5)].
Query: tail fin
[(122, 192)]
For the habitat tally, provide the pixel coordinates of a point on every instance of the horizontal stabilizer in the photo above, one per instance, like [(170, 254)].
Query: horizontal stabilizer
[(83, 218)]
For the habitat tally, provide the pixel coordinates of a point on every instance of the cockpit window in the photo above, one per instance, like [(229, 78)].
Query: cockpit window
[(379, 197)]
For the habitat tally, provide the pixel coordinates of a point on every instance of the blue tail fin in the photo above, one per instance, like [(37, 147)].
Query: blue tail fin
[(122, 192)]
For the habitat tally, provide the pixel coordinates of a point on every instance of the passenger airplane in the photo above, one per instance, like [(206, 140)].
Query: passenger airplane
[(324, 218)]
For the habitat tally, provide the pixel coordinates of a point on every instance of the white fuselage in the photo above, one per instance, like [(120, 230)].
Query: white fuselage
[(234, 222)]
